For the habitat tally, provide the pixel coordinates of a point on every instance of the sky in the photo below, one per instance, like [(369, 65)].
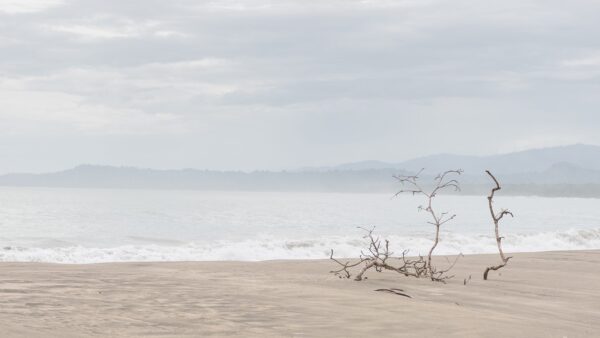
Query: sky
[(282, 84)]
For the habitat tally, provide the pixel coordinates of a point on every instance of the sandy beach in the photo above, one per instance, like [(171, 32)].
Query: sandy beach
[(551, 294)]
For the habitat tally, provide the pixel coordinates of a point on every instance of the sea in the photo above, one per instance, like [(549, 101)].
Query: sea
[(80, 226)]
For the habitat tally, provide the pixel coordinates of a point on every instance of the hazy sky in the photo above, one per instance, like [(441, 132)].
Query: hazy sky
[(282, 84)]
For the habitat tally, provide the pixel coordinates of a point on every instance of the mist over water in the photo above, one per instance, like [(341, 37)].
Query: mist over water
[(104, 225)]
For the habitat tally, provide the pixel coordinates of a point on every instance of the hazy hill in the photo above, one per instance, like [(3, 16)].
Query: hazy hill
[(561, 171), (535, 160), (90, 176)]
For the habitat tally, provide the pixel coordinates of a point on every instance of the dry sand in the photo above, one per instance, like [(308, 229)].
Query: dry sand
[(552, 294)]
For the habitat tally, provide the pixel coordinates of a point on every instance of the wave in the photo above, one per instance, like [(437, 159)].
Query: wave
[(270, 248)]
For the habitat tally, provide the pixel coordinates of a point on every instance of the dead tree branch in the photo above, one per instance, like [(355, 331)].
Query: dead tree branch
[(379, 257), (395, 291), (496, 217), (410, 184)]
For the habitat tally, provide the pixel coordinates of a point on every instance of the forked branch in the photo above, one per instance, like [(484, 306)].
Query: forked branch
[(379, 258), (496, 217), (410, 184)]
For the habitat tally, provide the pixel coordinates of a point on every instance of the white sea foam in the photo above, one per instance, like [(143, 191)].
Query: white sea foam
[(92, 226), (268, 248)]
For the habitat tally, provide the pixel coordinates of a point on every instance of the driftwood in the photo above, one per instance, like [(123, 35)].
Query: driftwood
[(395, 291), (410, 184), (496, 217), (379, 258)]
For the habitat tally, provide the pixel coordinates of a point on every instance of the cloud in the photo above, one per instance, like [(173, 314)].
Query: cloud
[(96, 32), (27, 6), (56, 112), (588, 61), (296, 83), (111, 27)]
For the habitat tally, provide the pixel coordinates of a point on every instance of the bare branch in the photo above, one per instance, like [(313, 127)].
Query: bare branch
[(377, 258), (343, 272), (496, 217), (377, 255), (395, 291), (441, 182)]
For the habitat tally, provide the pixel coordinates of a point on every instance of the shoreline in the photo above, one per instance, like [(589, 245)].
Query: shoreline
[(542, 294), (281, 260), (284, 260)]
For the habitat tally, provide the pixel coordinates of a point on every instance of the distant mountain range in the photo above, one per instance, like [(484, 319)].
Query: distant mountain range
[(536, 160), (560, 171)]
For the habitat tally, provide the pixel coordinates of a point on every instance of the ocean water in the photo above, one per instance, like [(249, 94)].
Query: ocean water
[(103, 225)]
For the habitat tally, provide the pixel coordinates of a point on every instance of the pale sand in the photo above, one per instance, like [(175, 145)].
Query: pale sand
[(554, 294)]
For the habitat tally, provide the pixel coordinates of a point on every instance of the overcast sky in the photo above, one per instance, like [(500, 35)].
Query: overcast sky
[(258, 84)]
